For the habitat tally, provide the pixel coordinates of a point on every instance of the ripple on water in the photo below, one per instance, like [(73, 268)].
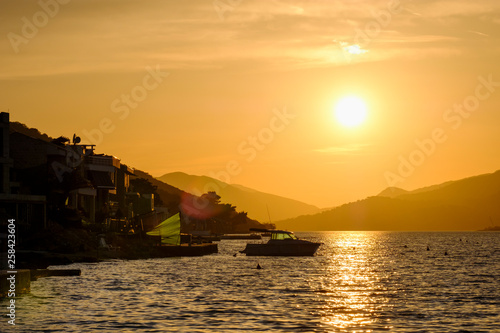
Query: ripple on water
[(358, 281)]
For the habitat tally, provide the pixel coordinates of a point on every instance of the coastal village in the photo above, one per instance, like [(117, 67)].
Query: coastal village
[(72, 204)]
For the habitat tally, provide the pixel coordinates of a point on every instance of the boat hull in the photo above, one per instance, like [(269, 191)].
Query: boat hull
[(281, 249)]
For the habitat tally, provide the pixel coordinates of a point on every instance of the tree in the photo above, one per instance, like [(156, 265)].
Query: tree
[(212, 197), (144, 186)]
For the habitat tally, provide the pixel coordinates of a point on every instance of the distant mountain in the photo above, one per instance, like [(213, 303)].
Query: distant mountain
[(468, 204), (252, 201), (170, 195), (203, 212), (392, 192)]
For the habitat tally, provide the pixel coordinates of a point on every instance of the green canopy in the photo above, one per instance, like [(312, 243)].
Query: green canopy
[(169, 230)]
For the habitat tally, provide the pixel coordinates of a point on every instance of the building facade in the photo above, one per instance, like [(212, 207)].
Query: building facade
[(61, 181)]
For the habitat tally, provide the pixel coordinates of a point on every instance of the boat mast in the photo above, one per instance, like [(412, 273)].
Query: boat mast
[(268, 215)]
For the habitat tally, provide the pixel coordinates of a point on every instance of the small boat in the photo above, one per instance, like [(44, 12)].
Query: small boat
[(169, 232), (282, 243)]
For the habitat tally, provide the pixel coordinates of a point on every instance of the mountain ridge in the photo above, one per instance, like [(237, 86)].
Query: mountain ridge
[(259, 205), (194, 208), (466, 204)]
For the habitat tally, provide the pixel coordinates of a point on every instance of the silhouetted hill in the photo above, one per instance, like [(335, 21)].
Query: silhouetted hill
[(432, 187), (31, 132), (193, 205), (473, 191), (467, 204), (223, 217), (392, 192), (170, 195), (254, 202)]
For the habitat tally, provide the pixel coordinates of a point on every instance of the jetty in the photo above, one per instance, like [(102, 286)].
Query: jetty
[(16, 282)]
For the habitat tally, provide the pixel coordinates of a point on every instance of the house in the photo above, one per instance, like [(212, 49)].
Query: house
[(64, 181), (28, 208), (60, 181)]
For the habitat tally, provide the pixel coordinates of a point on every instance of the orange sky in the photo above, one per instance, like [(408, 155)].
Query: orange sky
[(245, 90)]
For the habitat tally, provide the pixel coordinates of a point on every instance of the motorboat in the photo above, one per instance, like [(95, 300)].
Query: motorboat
[(282, 243)]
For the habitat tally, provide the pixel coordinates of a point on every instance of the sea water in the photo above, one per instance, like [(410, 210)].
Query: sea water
[(356, 282)]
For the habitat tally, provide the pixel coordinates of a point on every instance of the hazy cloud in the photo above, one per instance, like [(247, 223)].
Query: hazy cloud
[(344, 150), (108, 35)]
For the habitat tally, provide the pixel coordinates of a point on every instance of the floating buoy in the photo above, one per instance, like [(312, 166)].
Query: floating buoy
[(445, 253), (428, 249), (258, 266)]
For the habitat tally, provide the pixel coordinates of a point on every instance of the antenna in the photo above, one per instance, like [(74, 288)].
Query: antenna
[(76, 139)]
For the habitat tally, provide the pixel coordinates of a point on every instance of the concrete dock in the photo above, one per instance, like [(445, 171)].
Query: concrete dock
[(17, 282)]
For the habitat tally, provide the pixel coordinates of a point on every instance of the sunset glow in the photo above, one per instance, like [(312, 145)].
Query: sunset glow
[(260, 166), (193, 87), (351, 111)]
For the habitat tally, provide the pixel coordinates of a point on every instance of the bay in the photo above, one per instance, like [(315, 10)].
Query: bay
[(356, 282)]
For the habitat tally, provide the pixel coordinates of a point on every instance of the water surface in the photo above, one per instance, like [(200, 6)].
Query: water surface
[(357, 282)]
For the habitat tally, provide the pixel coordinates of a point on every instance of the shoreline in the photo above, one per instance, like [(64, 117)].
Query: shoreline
[(43, 259)]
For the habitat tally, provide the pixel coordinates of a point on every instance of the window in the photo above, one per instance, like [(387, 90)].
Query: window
[(282, 236)]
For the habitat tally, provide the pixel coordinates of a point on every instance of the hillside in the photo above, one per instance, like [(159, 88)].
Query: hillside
[(170, 195), (254, 202), (31, 132), (392, 192), (230, 218), (224, 217), (467, 204)]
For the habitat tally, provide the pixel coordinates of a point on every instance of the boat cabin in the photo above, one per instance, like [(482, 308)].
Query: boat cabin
[(282, 235), (282, 243), (277, 234)]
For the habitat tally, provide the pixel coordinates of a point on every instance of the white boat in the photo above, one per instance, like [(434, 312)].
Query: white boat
[(282, 243)]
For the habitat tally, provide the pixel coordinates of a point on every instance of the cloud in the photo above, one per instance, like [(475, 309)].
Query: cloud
[(450, 8), (478, 33), (349, 149), (110, 35)]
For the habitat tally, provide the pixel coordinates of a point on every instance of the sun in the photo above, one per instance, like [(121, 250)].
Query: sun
[(350, 111)]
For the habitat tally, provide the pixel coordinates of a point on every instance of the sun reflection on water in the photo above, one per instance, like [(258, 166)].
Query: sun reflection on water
[(357, 282), (350, 293)]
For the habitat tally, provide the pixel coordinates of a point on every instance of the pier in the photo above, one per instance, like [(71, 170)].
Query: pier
[(15, 282), (18, 282)]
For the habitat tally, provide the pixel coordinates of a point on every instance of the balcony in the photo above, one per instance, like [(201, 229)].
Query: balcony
[(102, 163)]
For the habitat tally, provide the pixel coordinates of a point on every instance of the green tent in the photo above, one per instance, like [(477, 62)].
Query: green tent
[(169, 230)]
